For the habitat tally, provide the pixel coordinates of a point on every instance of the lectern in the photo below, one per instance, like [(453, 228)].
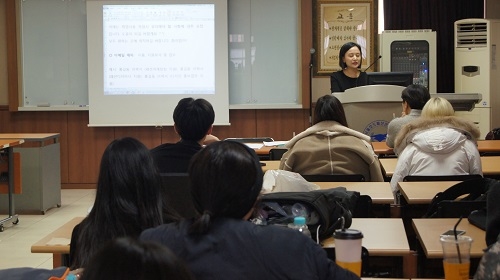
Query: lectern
[(369, 109)]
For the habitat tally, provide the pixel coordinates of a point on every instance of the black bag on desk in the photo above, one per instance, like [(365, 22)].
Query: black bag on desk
[(325, 208)]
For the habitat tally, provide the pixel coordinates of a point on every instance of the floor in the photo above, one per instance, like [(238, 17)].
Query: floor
[(16, 240)]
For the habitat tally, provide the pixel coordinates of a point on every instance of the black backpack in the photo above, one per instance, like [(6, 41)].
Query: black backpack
[(468, 190), (325, 207)]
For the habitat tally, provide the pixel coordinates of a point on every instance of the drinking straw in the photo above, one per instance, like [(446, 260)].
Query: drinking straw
[(456, 239)]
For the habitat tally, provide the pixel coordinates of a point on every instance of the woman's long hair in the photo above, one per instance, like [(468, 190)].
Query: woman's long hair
[(329, 108), (226, 179), (127, 258), (127, 199)]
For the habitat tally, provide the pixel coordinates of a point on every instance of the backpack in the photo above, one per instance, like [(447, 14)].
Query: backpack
[(494, 134), (472, 190), (488, 218), (324, 209)]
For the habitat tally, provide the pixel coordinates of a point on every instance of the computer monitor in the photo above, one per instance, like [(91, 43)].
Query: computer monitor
[(390, 78)]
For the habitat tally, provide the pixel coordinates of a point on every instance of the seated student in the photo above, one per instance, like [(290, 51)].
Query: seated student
[(226, 181), (127, 200), (414, 98), (193, 122), (331, 147), (438, 143), (127, 258)]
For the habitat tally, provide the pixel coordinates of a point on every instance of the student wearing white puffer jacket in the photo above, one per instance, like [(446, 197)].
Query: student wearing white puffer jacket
[(436, 144)]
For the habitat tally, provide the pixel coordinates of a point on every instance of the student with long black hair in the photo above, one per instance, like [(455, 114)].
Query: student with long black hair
[(127, 200)]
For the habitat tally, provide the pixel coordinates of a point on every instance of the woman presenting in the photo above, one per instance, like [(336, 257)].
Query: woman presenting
[(350, 58)]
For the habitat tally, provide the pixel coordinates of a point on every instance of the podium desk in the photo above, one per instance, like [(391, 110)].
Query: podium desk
[(429, 230), (8, 145), (384, 237), (490, 165), (40, 172), (57, 242)]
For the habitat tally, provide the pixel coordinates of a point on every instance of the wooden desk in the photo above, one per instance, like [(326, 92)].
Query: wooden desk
[(381, 148), (490, 165), (483, 146), (423, 192), (57, 242), (384, 237), (380, 192), (9, 144), (270, 165), (264, 151), (429, 230), (488, 146), (40, 172)]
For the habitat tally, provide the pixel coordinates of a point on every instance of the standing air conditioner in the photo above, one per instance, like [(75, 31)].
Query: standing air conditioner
[(476, 69)]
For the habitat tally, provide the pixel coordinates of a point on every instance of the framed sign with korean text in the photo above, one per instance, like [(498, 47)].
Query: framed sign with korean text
[(339, 22)]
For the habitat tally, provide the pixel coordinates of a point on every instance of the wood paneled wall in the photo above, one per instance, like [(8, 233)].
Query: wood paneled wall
[(82, 146)]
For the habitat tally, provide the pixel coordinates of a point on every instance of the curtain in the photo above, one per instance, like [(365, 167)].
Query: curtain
[(440, 16)]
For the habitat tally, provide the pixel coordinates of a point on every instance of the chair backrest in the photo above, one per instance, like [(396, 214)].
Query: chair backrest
[(176, 194), (251, 139), (363, 207), (334, 178), (455, 209), (276, 153), (415, 178)]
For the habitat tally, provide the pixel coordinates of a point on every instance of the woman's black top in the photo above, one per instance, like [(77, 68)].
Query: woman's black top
[(340, 82)]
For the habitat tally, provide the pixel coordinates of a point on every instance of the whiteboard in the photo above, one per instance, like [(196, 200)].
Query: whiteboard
[(264, 33)]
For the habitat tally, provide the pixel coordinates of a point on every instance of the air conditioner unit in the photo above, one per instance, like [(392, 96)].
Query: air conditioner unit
[(476, 68)]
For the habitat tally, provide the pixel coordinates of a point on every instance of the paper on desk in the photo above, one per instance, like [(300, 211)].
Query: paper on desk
[(275, 143), (254, 145), (59, 241)]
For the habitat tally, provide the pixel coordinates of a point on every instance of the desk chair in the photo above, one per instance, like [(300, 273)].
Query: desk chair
[(363, 207), (176, 192), (251, 139), (334, 178), (276, 153)]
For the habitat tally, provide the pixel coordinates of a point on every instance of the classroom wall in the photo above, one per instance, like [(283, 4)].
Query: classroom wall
[(3, 57), (82, 147)]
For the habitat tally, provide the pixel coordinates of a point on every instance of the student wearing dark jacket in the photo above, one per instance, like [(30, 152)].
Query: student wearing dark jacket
[(193, 122), (226, 181)]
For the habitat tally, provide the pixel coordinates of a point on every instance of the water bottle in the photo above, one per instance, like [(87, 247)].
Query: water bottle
[(299, 223)]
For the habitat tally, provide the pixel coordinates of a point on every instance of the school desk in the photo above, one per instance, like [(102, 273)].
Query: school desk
[(383, 237), (490, 165), (57, 242), (40, 172), (8, 145), (483, 146), (423, 192), (429, 230)]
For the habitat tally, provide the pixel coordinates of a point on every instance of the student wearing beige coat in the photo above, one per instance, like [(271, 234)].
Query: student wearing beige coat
[(331, 147)]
